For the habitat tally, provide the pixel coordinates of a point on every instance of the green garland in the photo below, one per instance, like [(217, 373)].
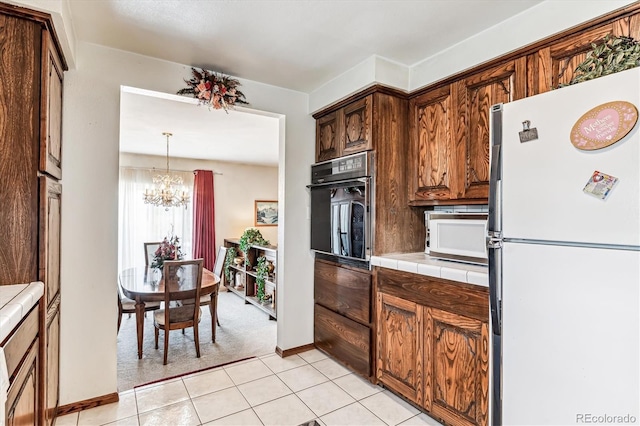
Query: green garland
[(612, 55), (249, 237), (261, 275), (228, 260)]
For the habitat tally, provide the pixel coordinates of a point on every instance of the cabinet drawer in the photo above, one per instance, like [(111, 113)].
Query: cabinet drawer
[(19, 342), (22, 406), (346, 340), (343, 290)]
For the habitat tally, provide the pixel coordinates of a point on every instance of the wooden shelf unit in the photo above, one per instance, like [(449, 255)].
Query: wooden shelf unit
[(248, 276)]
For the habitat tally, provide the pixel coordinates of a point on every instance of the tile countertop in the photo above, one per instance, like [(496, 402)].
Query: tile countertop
[(15, 303), (423, 264)]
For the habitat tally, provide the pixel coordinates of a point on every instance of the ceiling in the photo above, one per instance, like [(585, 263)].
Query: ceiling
[(242, 135), (298, 45)]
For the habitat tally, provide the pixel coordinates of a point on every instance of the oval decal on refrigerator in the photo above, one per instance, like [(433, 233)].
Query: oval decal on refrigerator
[(604, 125)]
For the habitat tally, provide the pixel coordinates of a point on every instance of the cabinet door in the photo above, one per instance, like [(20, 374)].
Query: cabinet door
[(456, 363), (399, 337), (52, 373), (327, 137), (476, 94), (431, 146), (22, 397), (555, 65), (51, 109), (50, 214), (356, 126)]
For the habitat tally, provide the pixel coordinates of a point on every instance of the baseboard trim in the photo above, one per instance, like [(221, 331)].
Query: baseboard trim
[(88, 403), (288, 352)]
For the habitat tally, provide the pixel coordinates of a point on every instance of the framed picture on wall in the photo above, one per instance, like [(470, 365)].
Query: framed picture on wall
[(266, 213)]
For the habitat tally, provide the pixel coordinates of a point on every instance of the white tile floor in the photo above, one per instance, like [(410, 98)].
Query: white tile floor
[(263, 391)]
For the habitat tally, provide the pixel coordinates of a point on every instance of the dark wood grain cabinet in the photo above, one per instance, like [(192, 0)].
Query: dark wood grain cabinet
[(22, 353), (475, 95), (400, 346), (456, 376), (30, 158), (345, 131), (433, 344), (450, 135), (343, 314), (449, 121), (432, 146)]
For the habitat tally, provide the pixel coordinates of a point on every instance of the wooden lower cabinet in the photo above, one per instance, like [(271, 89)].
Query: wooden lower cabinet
[(22, 398), (343, 315), (52, 359), (456, 373), (344, 339), (428, 350), (399, 354)]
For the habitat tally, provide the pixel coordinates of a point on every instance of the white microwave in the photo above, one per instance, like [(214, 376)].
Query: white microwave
[(457, 236)]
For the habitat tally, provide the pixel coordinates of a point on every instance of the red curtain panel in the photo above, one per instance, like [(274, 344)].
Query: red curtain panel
[(204, 231)]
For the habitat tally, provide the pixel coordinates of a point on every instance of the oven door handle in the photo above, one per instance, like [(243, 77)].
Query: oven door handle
[(338, 183)]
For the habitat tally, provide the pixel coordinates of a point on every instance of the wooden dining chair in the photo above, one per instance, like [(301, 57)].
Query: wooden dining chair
[(177, 274), (217, 271), (150, 251), (128, 306)]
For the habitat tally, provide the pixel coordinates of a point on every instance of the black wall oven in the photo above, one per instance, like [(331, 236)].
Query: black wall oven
[(341, 205)]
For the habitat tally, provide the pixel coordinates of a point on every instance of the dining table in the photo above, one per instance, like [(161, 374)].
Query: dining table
[(146, 284)]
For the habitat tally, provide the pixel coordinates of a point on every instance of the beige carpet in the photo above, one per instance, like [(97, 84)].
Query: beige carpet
[(244, 331)]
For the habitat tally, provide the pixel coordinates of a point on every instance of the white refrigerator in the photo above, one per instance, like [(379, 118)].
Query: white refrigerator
[(564, 255)]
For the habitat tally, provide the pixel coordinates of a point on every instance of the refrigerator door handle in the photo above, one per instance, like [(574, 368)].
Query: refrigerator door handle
[(495, 284), (494, 222)]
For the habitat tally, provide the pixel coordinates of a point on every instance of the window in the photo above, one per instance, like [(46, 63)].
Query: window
[(139, 222)]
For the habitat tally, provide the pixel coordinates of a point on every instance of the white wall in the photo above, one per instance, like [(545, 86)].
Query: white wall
[(90, 198), (236, 187)]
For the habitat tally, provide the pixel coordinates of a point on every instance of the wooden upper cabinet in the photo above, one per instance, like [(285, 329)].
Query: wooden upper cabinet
[(555, 64), (51, 109), (327, 137), (356, 126), (345, 131), (399, 336), (456, 353), (475, 96), (431, 129)]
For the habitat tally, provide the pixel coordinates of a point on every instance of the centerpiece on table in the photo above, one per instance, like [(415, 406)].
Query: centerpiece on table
[(169, 249)]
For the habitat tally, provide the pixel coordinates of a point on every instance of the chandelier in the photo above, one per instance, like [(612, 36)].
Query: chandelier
[(166, 193)]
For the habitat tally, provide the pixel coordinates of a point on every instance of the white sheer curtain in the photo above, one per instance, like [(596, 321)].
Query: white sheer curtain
[(139, 222)]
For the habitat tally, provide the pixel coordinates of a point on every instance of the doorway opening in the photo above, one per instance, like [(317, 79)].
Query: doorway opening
[(242, 149)]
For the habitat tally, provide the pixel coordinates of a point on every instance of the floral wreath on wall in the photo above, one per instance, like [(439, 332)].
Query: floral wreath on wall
[(217, 91)]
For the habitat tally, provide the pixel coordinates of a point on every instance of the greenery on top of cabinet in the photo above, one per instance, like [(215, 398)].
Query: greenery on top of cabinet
[(614, 54)]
